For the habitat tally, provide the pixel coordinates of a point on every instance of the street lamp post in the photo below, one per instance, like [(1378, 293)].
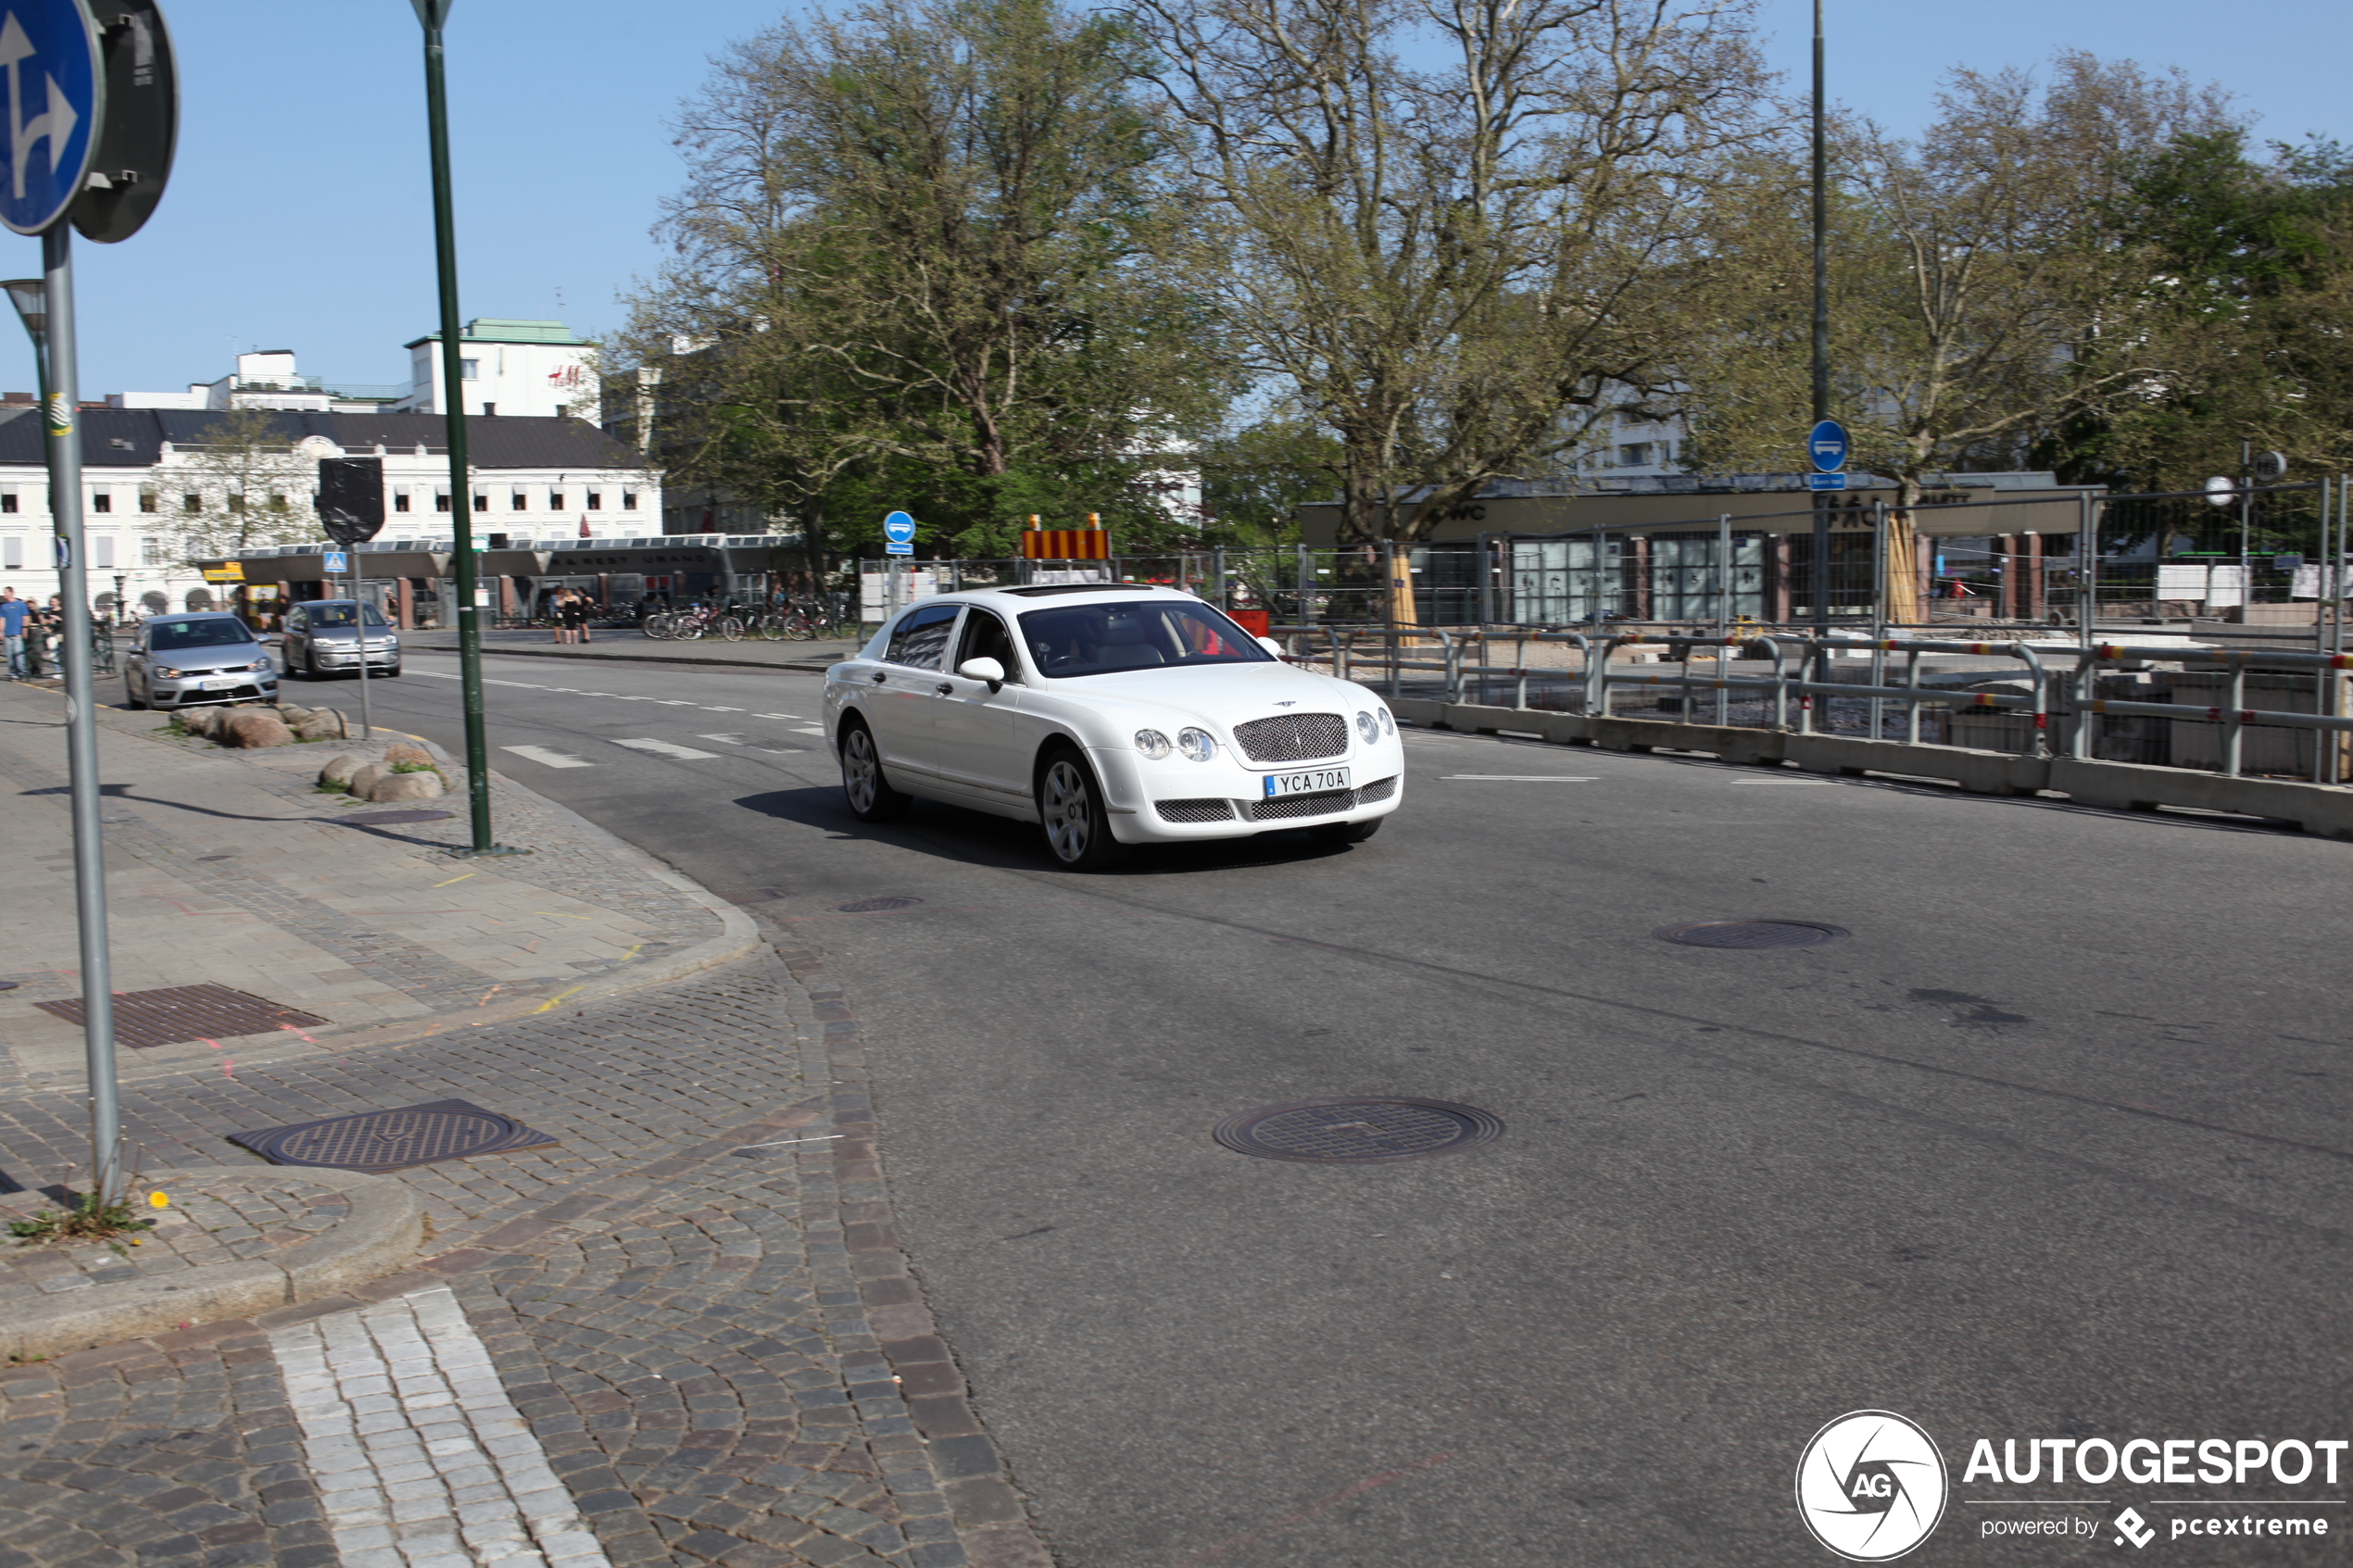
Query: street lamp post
[(45, 306), (433, 14), (1822, 367)]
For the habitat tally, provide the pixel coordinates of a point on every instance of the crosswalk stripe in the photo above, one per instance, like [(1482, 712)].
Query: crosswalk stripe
[(547, 758), (666, 748)]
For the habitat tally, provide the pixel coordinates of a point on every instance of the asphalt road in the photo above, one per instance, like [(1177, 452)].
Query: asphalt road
[(2055, 1146)]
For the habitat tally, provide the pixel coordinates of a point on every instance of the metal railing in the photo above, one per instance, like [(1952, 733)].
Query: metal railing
[(1796, 695)]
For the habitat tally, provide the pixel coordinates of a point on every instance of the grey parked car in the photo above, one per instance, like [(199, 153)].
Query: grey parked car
[(185, 660), (322, 639)]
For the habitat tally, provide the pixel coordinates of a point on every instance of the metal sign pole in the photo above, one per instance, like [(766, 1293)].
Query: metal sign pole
[(62, 416), (359, 617)]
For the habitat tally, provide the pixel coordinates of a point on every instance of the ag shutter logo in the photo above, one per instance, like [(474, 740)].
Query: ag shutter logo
[(1871, 1485)]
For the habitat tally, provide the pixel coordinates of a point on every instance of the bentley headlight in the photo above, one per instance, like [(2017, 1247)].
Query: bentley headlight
[(1198, 745), (1153, 744), (1367, 727), (1387, 724)]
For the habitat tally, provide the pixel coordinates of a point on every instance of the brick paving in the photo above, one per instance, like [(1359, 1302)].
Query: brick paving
[(246, 1216), (696, 1301)]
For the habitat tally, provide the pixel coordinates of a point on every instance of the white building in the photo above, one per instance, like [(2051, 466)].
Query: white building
[(508, 368), (534, 477)]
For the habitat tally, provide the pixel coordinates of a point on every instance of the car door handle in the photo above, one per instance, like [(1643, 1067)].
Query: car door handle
[(944, 689), (879, 677)]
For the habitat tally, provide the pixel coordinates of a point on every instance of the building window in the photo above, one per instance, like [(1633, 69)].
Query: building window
[(596, 500), (441, 502), (481, 502), (555, 500), (101, 501), (400, 501), (192, 503), (629, 500), (149, 501), (102, 551), (1634, 454), (520, 503), (12, 552), (469, 370), (150, 552), (237, 503), (277, 503), (9, 502)]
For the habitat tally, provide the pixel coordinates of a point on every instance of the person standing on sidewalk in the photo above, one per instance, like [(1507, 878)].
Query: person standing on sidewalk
[(13, 613)]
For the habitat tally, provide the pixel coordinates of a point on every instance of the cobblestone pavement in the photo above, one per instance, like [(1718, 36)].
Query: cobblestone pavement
[(243, 1218), (695, 1301)]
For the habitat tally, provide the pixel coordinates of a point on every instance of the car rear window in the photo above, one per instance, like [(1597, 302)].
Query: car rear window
[(1101, 639), (164, 636), (332, 615)]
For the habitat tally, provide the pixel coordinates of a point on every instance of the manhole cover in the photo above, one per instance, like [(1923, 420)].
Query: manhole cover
[(751, 895), (394, 1140), (186, 1012), (1324, 1132), (875, 905), (1754, 934), (385, 818)]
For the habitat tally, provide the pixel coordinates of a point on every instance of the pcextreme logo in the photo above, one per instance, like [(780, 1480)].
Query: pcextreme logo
[(1871, 1485)]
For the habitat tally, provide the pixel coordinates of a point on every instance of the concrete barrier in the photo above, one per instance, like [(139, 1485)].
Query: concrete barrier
[(2325, 810)]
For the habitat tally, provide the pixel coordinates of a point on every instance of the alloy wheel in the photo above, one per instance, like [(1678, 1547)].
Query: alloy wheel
[(1068, 811), (858, 769)]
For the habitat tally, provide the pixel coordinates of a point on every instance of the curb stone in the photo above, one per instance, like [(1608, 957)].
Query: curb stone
[(379, 1235)]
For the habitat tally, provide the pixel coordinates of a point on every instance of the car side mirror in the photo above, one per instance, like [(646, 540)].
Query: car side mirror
[(982, 669), (1271, 646)]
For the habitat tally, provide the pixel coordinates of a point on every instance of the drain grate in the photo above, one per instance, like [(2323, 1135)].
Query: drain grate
[(751, 895), (179, 1013), (386, 819), (394, 1140), (1357, 1132), (1752, 933), (875, 905)]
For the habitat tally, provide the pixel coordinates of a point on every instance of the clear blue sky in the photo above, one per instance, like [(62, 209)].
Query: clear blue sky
[(298, 216)]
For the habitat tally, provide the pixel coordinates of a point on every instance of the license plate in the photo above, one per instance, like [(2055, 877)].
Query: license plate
[(223, 683), (1316, 781)]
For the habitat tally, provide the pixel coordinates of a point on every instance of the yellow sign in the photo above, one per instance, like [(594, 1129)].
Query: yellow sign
[(235, 572)]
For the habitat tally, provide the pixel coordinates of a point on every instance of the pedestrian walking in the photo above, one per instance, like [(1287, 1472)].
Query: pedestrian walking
[(14, 613), (559, 611)]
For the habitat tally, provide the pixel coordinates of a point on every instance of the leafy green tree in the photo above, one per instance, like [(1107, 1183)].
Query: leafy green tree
[(918, 265)]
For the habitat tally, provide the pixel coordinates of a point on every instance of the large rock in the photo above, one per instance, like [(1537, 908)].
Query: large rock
[(321, 723), (364, 778), (202, 720), (406, 786), (396, 754), (252, 727), (339, 769), (294, 712)]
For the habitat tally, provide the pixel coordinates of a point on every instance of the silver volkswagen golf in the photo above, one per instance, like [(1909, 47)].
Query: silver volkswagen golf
[(183, 660)]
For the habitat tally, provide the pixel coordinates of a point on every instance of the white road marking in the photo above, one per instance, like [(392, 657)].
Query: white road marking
[(764, 750), (543, 756), (731, 740), (794, 717), (438, 675), (416, 1450), (812, 730), (1525, 778), (1785, 782), (665, 749)]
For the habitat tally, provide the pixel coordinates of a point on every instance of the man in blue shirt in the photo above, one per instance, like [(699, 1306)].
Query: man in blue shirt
[(13, 611)]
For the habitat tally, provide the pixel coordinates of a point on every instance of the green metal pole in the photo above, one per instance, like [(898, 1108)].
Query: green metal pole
[(431, 13)]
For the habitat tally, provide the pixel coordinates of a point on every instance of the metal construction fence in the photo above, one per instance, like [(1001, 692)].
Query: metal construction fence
[(2236, 712)]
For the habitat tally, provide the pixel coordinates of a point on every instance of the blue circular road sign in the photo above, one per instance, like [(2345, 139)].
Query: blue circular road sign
[(1827, 446), (55, 101), (899, 529)]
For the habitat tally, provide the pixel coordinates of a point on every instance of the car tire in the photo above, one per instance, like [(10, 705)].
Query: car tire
[(1345, 833), (863, 784), (391, 674), (311, 666), (130, 695), (1072, 811)]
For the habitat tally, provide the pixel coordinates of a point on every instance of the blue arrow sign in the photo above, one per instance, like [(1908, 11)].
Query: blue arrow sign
[(337, 562), (56, 100), (1827, 446), (899, 529)]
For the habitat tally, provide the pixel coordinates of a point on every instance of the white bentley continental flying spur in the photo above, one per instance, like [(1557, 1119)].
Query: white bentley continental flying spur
[(1112, 715)]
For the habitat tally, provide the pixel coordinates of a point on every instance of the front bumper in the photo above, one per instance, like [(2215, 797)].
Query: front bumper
[(195, 691), (1172, 801), (348, 658)]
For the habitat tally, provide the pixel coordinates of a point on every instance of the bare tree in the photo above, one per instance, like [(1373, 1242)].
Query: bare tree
[(1450, 265), (241, 488)]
